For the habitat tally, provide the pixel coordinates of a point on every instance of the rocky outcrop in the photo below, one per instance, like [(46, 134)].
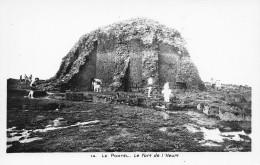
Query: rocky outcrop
[(126, 54), (228, 114), (188, 73)]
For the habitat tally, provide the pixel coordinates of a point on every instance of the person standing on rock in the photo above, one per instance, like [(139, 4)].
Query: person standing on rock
[(33, 88), (97, 85), (150, 83), (30, 78), (166, 92), (213, 83), (25, 78), (218, 85), (21, 78)]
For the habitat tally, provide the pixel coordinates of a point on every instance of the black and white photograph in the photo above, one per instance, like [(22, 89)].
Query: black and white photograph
[(128, 79)]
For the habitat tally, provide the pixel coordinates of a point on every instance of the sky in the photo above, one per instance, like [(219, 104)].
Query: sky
[(222, 36)]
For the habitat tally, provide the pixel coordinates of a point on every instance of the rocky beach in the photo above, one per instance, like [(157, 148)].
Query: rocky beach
[(128, 122)]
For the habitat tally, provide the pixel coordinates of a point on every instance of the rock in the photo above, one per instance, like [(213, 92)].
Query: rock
[(122, 99), (88, 98), (124, 58), (185, 106), (39, 93), (211, 110), (206, 109), (59, 122), (133, 101), (200, 107), (142, 102), (74, 96), (214, 111), (247, 97), (40, 118), (164, 115), (172, 107), (230, 115), (246, 138), (159, 108), (163, 129), (234, 97)]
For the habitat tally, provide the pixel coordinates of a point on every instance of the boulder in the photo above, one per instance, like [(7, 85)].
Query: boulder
[(227, 114), (172, 107), (211, 110), (142, 102), (88, 98), (200, 106), (124, 55), (234, 97), (74, 96), (39, 93)]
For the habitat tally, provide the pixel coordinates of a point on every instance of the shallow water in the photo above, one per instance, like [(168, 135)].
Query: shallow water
[(205, 143), (192, 128), (23, 136), (216, 135), (50, 128), (11, 129), (212, 134), (12, 139), (15, 136), (30, 140)]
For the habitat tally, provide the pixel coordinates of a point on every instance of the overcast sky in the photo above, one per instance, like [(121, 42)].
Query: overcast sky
[(223, 36)]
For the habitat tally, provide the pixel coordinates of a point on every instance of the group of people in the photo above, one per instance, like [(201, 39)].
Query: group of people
[(32, 82), (26, 78), (166, 90), (96, 84), (215, 84)]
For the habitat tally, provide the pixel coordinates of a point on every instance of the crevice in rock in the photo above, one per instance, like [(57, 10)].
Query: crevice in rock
[(82, 79), (126, 84)]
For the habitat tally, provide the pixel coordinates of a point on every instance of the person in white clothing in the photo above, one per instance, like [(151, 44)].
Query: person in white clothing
[(97, 85), (33, 88), (166, 92), (150, 83)]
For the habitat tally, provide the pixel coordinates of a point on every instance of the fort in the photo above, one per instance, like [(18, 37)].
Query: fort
[(124, 55)]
